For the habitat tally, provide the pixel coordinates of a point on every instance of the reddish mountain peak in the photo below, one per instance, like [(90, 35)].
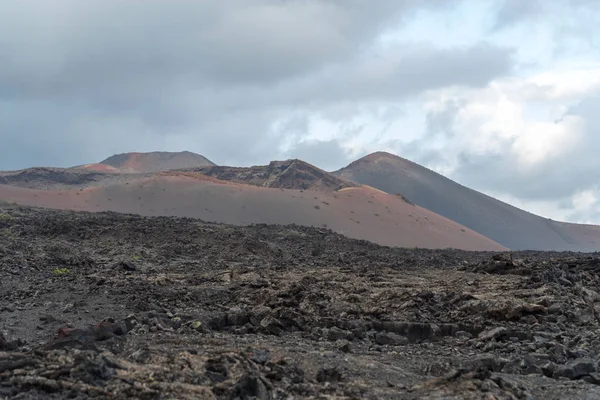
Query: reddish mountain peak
[(378, 155), (156, 161), (379, 158), (386, 157)]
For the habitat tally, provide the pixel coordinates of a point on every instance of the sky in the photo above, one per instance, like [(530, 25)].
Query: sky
[(502, 96)]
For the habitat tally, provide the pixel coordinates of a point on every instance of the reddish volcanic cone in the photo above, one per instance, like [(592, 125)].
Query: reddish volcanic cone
[(156, 161)]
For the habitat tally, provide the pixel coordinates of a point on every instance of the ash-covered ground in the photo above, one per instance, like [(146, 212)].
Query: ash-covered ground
[(119, 306)]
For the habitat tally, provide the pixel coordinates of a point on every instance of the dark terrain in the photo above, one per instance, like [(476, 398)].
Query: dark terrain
[(119, 306), (289, 174)]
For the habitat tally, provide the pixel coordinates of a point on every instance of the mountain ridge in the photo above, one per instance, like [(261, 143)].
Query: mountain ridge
[(156, 161), (504, 223)]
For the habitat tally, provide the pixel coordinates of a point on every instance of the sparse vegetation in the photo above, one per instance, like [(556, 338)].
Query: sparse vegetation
[(7, 233), (6, 217), (60, 271)]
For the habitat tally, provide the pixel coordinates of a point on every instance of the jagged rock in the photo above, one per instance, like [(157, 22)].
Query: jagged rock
[(488, 362), (493, 334), (271, 325), (576, 369), (391, 339), (127, 266), (593, 377), (250, 386), (258, 313), (343, 345), (463, 335), (336, 333), (331, 374), (261, 356), (237, 318), (76, 337)]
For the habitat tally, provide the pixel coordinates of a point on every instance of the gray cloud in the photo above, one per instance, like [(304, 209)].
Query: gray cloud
[(84, 80), (556, 180), (328, 155), (514, 11)]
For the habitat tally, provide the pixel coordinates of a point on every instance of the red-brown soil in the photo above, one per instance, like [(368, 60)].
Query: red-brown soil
[(156, 161), (357, 212)]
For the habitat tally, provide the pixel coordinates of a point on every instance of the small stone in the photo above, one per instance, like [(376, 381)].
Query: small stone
[(533, 370), (391, 339), (329, 375), (463, 335), (271, 325), (128, 266), (237, 318), (576, 369), (336, 333), (250, 387), (343, 345), (488, 362), (495, 333), (258, 314), (548, 369), (261, 356), (529, 319), (540, 341), (593, 377)]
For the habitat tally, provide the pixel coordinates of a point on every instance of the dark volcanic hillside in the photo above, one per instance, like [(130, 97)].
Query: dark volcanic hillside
[(289, 174), (501, 222), (156, 161), (41, 177)]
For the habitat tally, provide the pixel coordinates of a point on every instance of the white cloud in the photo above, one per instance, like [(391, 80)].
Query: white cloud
[(521, 116)]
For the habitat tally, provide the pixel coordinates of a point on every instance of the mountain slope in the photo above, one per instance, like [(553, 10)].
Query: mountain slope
[(289, 174), (358, 212), (501, 222), (156, 161)]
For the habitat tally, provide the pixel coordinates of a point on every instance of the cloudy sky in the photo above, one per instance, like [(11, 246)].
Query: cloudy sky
[(500, 95)]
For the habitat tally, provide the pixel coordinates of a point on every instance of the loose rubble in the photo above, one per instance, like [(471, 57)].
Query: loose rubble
[(120, 306)]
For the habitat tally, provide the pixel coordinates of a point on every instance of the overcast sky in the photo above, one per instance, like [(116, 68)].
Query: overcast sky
[(500, 95)]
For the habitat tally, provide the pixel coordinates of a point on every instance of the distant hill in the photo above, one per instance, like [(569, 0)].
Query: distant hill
[(501, 222), (289, 174), (283, 192), (156, 161)]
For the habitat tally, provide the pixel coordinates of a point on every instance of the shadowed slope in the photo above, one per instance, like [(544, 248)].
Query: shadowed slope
[(290, 174), (507, 225), (156, 161), (357, 212), (52, 178)]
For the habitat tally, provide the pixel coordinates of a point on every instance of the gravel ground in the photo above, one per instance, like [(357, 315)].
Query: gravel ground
[(119, 306)]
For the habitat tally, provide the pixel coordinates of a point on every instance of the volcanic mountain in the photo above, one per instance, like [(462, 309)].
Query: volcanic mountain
[(155, 161), (501, 222), (283, 192), (289, 174)]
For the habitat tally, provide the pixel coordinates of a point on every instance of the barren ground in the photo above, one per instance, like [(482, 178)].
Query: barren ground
[(358, 212), (118, 306)]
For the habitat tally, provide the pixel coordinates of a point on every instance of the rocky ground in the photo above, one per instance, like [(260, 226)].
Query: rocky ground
[(118, 306), (66, 178)]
